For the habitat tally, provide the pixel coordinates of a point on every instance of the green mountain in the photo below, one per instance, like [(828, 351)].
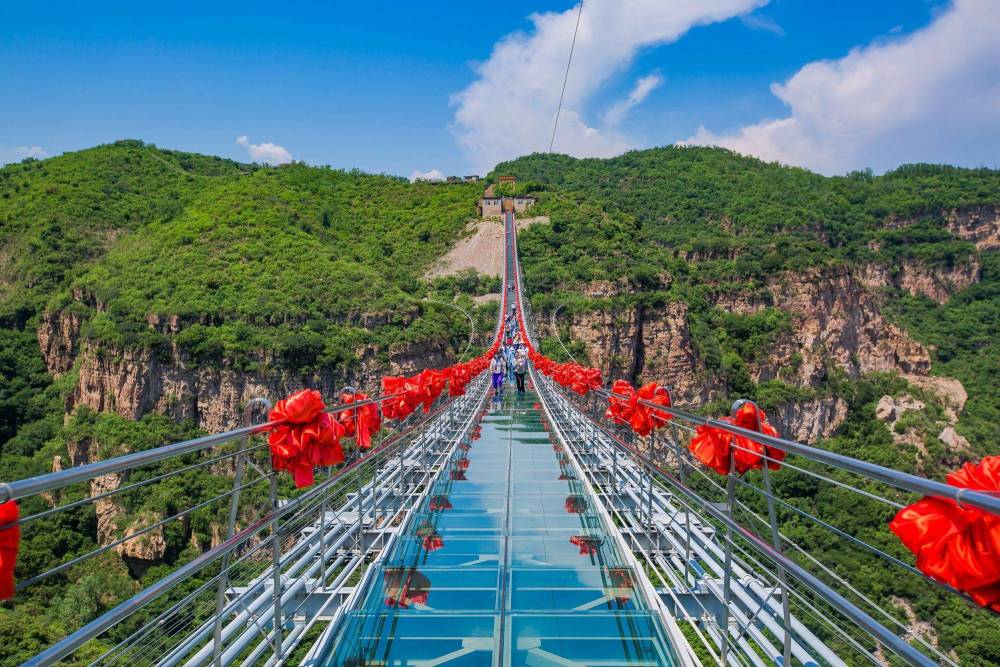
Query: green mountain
[(145, 294), (860, 311)]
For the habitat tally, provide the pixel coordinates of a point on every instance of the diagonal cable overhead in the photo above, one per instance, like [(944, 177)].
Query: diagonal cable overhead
[(569, 63)]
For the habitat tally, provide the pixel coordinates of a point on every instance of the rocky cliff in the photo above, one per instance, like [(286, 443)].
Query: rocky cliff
[(135, 381), (837, 324)]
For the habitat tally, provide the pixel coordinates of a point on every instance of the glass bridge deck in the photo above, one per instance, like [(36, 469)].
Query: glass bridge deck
[(505, 563)]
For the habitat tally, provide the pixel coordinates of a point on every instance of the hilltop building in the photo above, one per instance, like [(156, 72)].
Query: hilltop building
[(493, 205)]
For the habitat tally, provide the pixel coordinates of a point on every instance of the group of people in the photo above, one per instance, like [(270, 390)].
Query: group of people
[(510, 363)]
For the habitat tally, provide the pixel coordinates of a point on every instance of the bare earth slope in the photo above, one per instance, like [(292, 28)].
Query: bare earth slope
[(480, 250)]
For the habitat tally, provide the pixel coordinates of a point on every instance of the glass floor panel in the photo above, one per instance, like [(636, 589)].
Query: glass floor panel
[(505, 562)]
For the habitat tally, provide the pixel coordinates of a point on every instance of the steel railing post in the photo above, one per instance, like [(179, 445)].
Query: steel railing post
[(359, 535), (322, 532), (234, 508), (682, 473), (786, 613), (727, 575), (614, 471), (649, 497), (276, 568)]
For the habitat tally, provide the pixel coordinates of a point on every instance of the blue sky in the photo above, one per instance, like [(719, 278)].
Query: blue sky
[(404, 86)]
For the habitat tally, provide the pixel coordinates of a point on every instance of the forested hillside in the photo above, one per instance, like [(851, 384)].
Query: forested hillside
[(145, 294), (861, 312)]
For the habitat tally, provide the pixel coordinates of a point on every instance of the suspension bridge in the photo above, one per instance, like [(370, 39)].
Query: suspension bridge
[(511, 529)]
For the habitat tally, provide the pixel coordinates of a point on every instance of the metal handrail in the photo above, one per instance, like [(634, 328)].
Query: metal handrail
[(56, 480), (986, 501), (123, 610), (826, 592)]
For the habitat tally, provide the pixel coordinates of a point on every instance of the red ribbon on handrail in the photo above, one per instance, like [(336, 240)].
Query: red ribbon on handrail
[(306, 437), (642, 418), (712, 445), (956, 544), (10, 543), (362, 422)]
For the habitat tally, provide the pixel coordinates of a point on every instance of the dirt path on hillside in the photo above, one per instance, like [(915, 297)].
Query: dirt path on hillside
[(481, 249)]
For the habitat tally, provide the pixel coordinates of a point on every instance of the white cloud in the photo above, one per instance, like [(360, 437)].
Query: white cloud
[(640, 91), (509, 109), (18, 153), (758, 22), (266, 152), (432, 175), (932, 96)]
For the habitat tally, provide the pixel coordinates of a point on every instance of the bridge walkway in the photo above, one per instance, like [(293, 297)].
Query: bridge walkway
[(506, 562)]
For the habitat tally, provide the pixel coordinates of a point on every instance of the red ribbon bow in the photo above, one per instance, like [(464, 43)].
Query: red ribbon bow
[(957, 545), (642, 418), (712, 445), (10, 542), (307, 436), (362, 422)]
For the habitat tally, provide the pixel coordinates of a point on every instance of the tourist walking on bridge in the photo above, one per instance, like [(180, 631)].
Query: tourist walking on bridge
[(520, 368), (498, 367), (508, 357)]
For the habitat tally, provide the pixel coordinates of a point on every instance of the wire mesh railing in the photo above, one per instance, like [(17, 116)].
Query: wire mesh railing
[(242, 596)]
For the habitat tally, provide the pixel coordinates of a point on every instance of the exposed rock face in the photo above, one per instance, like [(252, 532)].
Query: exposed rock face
[(947, 393), (109, 512), (950, 391), (637, 343), (936, 283), (668, 354), (950, 437), (58, 335), (808, 421), (134, 382), (149, 546), (836, 322), (890, 409), (979, 224)]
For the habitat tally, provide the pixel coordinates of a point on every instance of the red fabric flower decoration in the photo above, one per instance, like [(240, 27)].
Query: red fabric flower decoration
[(10, 542), (362, 422), (644, 419), (307, 436), (712, 445), (406, 396), (957, 545), (620, 409)]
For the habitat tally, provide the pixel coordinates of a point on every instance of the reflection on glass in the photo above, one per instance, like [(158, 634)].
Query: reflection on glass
[(405, 587)]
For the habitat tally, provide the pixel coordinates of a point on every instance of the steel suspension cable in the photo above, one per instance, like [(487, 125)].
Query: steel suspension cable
[(569, 63)]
